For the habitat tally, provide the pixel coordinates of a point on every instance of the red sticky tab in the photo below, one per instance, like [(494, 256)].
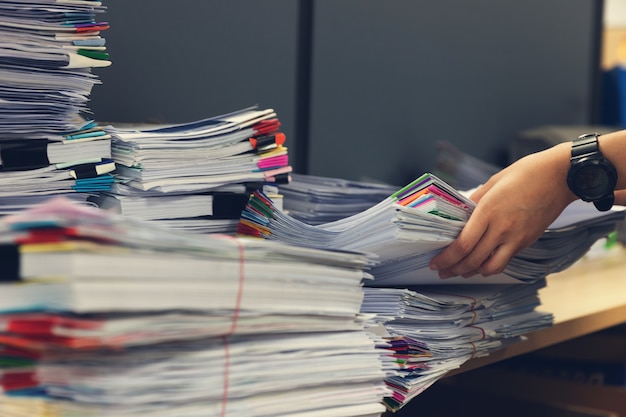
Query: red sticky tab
[(280, 138), (94, 28), (18, 380), (266, 126), (50, 235)]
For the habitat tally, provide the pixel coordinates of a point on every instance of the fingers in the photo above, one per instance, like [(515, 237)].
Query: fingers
[(498, 260), (479, 192), (476, 252), (466, 253), (470, 274)]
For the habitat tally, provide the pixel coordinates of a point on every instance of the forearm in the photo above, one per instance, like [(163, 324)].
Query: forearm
[(555, 163)]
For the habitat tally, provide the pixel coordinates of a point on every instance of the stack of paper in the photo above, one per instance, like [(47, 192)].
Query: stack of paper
[(434, 329), (195, 174), (104, 314), (257, 376), (204, 212), (316, 200), (412, 225), (47, 52)]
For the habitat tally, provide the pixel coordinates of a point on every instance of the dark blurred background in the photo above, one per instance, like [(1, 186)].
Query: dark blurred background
[(364, 88)]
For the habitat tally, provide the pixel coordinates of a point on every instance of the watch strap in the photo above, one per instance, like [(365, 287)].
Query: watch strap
[(605, 203), (585, 145)]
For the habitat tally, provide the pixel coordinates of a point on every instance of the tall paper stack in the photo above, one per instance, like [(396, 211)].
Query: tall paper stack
[(48, 145)]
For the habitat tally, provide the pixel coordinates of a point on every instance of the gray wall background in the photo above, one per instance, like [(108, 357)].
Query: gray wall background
[(388, 78)]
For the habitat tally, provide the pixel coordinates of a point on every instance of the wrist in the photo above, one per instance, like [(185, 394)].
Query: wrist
[(613, 147), (591, 176), (562, 162)]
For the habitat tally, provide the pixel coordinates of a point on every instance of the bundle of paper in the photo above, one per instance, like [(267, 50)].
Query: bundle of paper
[(202, 171), (108, 262), (316, 200), (215, 211), (239, 147), (321, 374), (435, 329), (414, 224), (46, 55), (102, 313), (47, 52)]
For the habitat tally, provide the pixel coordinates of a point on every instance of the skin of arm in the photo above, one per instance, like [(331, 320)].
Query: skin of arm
[(516, 205)]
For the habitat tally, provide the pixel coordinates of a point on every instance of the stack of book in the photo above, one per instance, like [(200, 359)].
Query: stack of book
[(104, 314), (47, 145), (197, 176)]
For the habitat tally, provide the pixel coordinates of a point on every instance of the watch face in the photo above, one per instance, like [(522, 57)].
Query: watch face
[(592, 181)]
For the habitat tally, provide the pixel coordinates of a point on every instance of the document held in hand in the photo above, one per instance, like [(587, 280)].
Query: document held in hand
[(407, 229)]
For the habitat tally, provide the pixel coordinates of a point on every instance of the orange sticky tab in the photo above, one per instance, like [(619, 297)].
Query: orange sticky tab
[(280, 138), (408, 200)]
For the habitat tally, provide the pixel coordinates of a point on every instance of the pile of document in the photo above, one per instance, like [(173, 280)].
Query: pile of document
[(432, 326), (105, 315), (435, 329), (47, 145), (316, 200), (196, 176), (408, 228)]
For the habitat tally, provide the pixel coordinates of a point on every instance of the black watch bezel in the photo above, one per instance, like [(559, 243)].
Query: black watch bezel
[(586, 155)]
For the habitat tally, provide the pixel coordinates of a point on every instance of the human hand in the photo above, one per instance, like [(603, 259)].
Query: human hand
[(513, 209)]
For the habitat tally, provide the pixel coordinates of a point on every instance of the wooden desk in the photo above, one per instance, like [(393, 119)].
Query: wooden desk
[(587, 297)]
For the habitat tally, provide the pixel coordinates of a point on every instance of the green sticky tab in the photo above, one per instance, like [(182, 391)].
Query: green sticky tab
[(261, 207), (93, 54)]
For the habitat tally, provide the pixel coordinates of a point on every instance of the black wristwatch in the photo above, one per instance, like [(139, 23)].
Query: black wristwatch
[(591, 176)]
